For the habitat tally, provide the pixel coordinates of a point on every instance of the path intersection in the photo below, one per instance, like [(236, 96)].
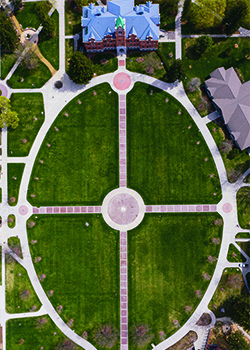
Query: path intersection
[(123, 208)]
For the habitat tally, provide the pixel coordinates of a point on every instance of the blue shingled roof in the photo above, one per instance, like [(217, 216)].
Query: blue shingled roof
[(100, 20)]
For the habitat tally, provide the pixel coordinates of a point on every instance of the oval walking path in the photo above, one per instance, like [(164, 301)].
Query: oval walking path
[(121, 81)]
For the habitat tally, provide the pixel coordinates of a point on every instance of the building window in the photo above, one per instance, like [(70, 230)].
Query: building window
[(86, 30)]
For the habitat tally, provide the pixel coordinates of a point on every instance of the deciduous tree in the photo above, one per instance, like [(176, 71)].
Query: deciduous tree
[(80, 68), (207, 13), (7, 116), (8, 37)]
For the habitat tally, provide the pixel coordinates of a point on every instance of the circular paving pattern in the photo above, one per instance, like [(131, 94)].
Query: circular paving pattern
[(227, 207), (122, 81), (123, 209), (23, 210)]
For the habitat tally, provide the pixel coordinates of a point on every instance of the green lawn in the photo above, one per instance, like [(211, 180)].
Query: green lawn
[(165, 164), (235, 167), (231, 285), (234, 254), (243, 206), (245, 246), (15, 173), (30, 110), (243, 235), (11, 221), (33, 78), (223, 54), (168, 254), (15, 244), (152, 59), (247, 179), (74, 17), (81, 164), (69, 50), (7, 62), (34, 332), (16, 284), (83, 270), (28, 16), (109, 67), (50, 47)]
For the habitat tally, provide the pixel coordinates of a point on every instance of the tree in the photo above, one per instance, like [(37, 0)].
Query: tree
[(207, 13), (186, 10), (176, 71), (203, 44), (235, 16), (29, 58), (7, 116), (16, 4), (49, 27), (81, 3), (8, 37), (80, 68), (237, 342), (241, 311)]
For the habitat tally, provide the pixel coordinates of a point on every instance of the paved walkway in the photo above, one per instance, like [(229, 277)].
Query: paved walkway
[(212, 116), (178, 30), (123, 291), (122, 141), (120, 81), (181, 208)]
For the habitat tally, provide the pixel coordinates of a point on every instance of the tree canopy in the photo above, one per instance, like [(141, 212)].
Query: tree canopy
[(235, 15), (176, 71), (7, 116), (80, 68), (207, 13), (204, 43), (8, 37)]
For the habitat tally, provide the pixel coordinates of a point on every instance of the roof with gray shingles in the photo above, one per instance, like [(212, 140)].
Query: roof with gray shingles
[(233, 98)]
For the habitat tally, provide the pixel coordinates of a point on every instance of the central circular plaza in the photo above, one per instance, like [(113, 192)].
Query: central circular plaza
[(123, 209), (122, 81)]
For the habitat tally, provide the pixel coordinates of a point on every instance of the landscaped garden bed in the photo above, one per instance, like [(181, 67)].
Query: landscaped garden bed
[(78, 160), (152, 63), (168, 159), (169, 270), (231, 285), (236, 165)]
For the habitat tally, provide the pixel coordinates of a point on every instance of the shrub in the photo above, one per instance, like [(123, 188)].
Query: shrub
[(106, 336)]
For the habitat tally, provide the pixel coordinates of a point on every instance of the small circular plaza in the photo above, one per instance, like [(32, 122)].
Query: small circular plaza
[(123, 209), (122, 81)]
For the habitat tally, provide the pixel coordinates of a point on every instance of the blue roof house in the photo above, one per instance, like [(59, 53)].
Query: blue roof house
[(120, 25)]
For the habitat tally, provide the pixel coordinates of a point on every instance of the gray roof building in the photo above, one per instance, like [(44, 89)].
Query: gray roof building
[(233, 99)]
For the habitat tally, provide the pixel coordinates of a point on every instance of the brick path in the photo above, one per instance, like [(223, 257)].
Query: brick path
[(67, 210), (180, 208), (123, 291), (122, 141)]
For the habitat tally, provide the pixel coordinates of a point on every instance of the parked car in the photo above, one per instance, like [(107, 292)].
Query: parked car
[(243, 265)]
